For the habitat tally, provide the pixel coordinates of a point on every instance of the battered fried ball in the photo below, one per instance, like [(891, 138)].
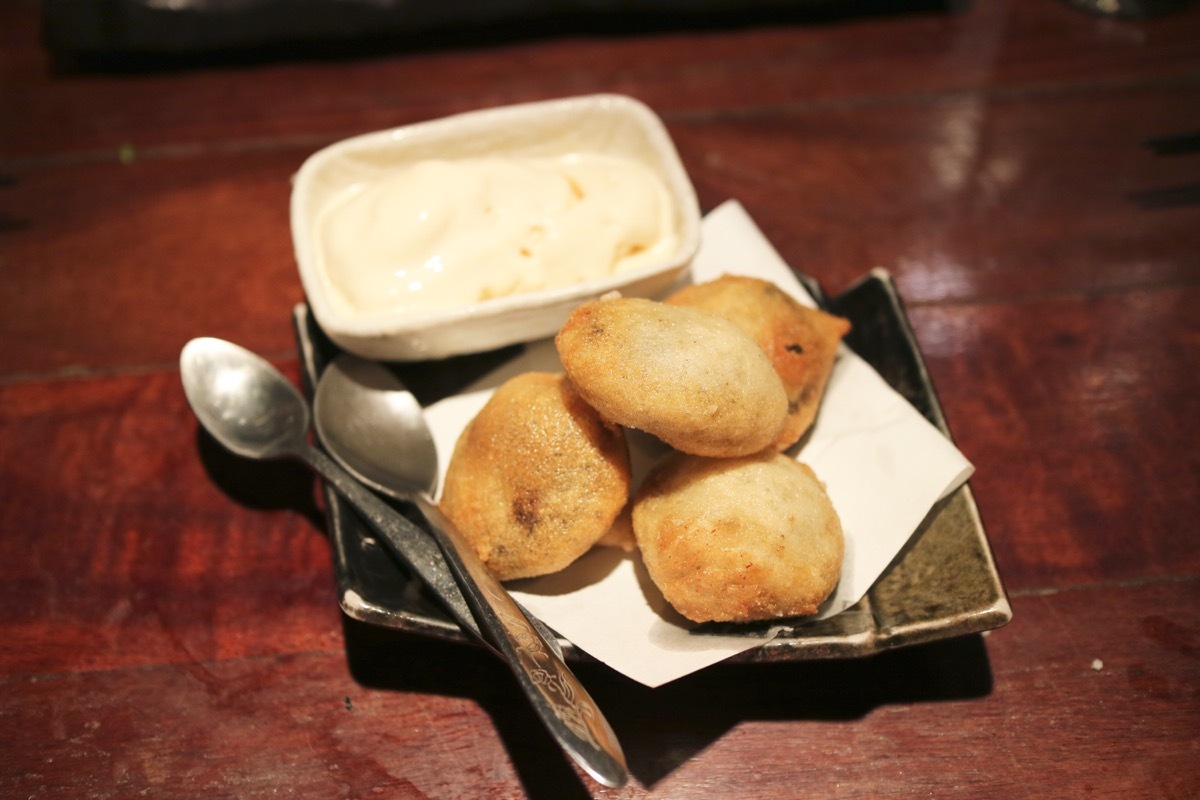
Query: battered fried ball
[(536, 478), (801, 342), (687, 376), (738, 540)]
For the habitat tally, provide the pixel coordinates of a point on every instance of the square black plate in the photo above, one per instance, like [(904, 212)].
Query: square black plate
[(944, 582)]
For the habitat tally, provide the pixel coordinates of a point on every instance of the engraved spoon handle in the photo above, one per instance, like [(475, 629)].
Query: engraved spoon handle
[(555, 692), (412, 544), (421, 553)]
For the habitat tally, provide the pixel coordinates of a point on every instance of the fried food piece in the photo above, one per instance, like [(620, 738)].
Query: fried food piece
[(536, 478), (690, 377), (801, 342), (737, 540)]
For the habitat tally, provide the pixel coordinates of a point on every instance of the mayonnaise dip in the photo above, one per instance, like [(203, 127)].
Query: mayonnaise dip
[(443, 233)]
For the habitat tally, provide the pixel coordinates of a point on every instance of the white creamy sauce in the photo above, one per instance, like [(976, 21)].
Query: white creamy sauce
[(439, 234)]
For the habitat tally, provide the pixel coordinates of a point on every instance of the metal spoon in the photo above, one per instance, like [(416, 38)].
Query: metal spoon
[(254, 411), (224, 383), (374, 427)]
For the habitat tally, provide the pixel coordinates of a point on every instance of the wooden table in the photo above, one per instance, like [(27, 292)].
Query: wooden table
[(170, 626)]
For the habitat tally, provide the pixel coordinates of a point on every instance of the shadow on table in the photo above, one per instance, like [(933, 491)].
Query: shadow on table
[(262, 485), (661, 729)]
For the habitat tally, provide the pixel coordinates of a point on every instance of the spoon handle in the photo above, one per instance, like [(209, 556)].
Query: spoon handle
[(404, 538), (556, 694), (412, 544)]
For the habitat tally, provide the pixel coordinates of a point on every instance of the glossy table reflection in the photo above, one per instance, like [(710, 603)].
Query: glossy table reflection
[(171, 626)]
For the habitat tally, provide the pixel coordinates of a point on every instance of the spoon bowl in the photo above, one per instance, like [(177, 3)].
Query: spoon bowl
[(252, 417), (376, 428)]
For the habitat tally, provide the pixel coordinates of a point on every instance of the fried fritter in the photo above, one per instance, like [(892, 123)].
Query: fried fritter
[(536, 478), (738, 540), (687, 376), (801, 342)]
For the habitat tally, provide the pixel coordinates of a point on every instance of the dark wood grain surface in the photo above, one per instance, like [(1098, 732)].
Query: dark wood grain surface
[(169, 623)]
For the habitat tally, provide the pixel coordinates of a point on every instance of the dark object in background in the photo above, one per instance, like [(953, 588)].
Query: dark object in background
[(99, 29)]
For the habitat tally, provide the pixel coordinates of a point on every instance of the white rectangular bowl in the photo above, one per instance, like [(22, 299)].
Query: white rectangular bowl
[(604, 123)]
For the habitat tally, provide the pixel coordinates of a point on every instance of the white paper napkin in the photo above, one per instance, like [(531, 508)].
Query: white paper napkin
[(883, 465)]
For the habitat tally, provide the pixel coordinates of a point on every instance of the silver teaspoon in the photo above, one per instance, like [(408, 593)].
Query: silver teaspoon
[(374, 427), (254, 411)]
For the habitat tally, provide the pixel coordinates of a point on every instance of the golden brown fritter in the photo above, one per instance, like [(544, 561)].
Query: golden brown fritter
[(690, 377), (801, 342), (737, 540), (536, 478)]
